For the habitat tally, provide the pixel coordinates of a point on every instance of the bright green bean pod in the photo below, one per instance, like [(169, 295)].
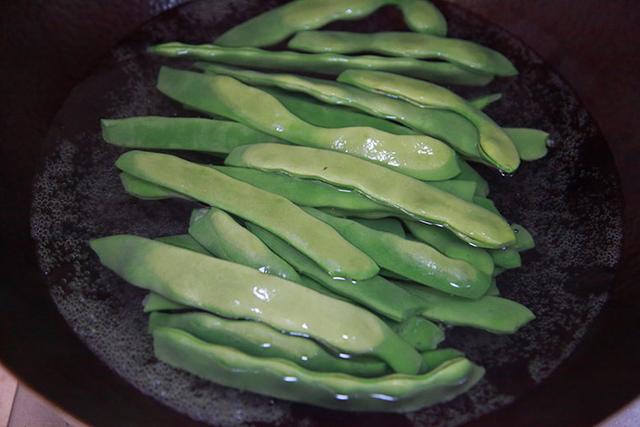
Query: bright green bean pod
[(277, 214), (146, 190), (468, 173), (482, 102), (506, 258), (446, 126), (493, 314), (260, 340), (421, 333), (332, 116), (414, 260), (420, 156), (530, 143), (180, 133), (406, 194), (432, 359), (463, 189), (323, 63), (404, 44), (302, 192), (184, 241), (422, 16), (451, 246), (388, 225), (279, 23), (377, 294), (494, 144), (226, 239), (155, 302), (285, 380), (238, 292)]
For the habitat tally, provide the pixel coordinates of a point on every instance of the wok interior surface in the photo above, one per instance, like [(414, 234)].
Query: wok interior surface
[(570, 201)]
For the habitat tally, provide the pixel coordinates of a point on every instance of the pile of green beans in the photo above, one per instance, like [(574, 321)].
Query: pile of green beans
[(347, 228)]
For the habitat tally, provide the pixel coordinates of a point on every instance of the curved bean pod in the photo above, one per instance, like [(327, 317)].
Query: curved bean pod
[(226, 239), (530, 143), (493, 314), (323, 63), (404, 44), (285, 380), (277, 214), (146, 190), (482, 102), (239, 292), (387, 225), (406, 194), (447, 126), (421, 333), (468, 173), (377, 294), (260, 340), (494, 144), (419, 156), (451, 246), (281, 22), (184, 241), (411, 259)]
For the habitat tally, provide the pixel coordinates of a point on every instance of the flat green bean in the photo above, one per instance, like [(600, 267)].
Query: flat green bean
[(421, 333), (238, 292), (155, 302), (260, 340), (420, 156), (482, 102), (444, 125), (493, 314), (508, 258), (285, 380), (146, 190), (388, 225), (447, 243), (530, 143), (468, 173), (494, 145), (180, 133), (279, 23), (405, 44), (277, 214), (184, 241), (412, 259), (377, 294), (432, 359), (226, 239), (323, 63), (408, 195), (524, 239)]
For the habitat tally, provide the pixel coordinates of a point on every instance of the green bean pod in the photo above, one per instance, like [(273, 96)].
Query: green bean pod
[(146, 190), (259, 340), (332, 116), (421, 333), (530, 143), (387, 225), (482, 102), (154, 302), (524, 239), (422, 16), (407, 195), (432, 359), (494, 144), (277, 214), (285, 380), (184, 241), (226, 239), (451, 246), (404, 44), (238, 292), (468, 173), (180, 133), (414, 260), (377, 294), (493, 314), (323, 63), (446, 126), (419, 156)]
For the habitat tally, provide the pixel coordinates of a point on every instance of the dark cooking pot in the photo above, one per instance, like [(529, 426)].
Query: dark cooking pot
[(50, 46)]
